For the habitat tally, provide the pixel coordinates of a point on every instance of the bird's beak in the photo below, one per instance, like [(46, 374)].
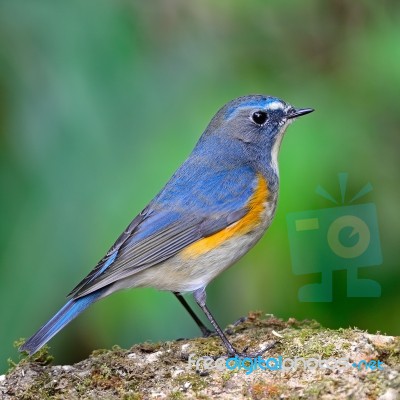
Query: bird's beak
[(294, 113)]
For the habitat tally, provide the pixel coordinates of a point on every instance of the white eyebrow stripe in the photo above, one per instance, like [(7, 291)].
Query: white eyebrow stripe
[(275, 105)]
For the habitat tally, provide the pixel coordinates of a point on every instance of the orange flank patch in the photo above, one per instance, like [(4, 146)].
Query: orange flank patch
[(255, 206)]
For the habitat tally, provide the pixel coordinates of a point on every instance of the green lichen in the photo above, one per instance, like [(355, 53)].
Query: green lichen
[(41, 357), (176, 395), (134, 396), (191, 381)]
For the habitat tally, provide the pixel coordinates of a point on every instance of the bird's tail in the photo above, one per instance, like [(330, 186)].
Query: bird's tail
[(67, 313)]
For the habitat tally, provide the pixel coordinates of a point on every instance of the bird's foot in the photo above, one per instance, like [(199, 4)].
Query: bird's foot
[(229, 331), (245, 354)]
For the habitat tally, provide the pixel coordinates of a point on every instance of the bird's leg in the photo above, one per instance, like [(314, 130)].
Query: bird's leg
[(204, 330), (200, 297)]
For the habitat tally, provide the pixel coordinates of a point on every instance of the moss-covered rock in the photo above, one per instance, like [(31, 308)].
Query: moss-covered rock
[(162, 370)]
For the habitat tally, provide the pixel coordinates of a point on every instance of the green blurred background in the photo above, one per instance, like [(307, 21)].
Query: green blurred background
[(100, 101)]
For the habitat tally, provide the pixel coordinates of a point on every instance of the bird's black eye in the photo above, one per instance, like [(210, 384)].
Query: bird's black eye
[(259, 117)]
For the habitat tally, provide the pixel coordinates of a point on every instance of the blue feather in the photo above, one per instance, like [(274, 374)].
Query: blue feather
[(67, 313)]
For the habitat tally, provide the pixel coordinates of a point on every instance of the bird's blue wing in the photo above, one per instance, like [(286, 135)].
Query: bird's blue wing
[(189, 208)]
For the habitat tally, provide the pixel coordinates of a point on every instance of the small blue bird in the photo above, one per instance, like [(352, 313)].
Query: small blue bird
[(215, 207)]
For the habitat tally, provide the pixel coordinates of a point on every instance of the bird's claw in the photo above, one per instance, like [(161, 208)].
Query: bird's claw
[(244, 354), (207, 332), (229, 331)]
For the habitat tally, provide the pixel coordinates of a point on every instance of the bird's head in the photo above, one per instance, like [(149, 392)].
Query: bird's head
[(257, 121)]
